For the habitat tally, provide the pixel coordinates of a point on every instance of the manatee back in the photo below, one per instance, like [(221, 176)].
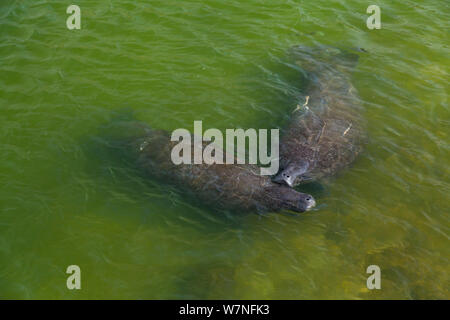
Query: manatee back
[(327, 129)]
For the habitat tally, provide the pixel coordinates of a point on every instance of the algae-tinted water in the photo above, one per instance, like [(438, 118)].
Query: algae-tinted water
[(63, 201)]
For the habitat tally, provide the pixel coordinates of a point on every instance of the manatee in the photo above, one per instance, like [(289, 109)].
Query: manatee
[(236, 187), (326, 130)]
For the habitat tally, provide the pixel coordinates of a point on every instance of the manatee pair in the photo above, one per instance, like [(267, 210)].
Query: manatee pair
[(325, 133)]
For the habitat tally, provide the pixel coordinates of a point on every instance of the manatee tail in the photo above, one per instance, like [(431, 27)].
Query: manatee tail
[(115, 140), (315, 59)]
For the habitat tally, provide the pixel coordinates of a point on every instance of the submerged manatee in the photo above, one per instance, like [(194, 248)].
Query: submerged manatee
[(224, 186), (325, 133)]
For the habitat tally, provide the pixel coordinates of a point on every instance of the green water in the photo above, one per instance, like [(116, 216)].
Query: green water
[(62, 202)]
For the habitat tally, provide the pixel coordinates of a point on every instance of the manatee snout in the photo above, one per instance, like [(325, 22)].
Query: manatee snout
[(306, 202), (294, 200), (284, 177)]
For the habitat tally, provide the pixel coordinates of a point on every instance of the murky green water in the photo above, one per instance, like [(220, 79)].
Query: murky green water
[(62, 202)]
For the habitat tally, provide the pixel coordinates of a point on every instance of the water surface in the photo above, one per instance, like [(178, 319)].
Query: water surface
[(64, 202)]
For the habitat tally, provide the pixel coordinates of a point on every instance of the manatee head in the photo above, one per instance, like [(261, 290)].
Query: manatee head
[(293, 174), (305, 202), (290, 199)]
